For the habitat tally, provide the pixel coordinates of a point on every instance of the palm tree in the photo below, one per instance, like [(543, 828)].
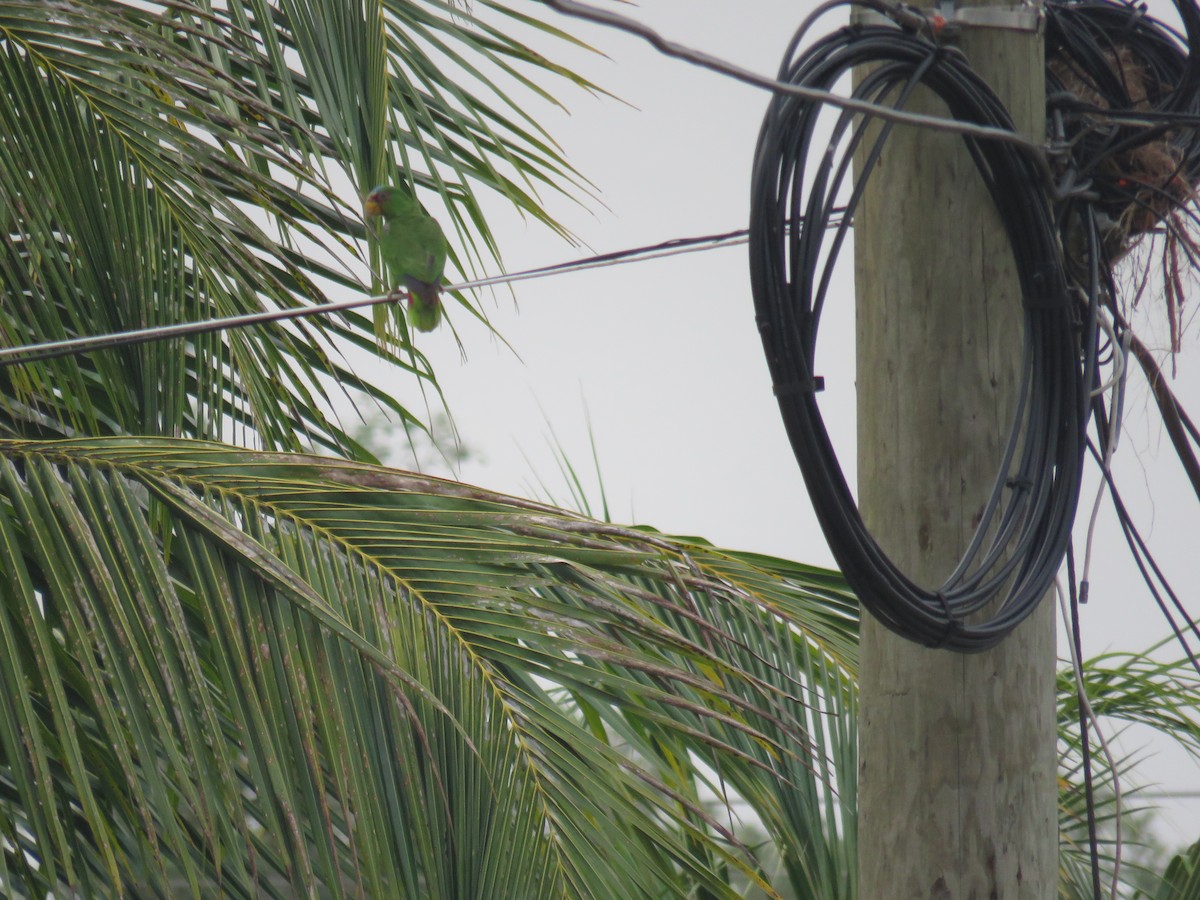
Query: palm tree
[(245, 659)]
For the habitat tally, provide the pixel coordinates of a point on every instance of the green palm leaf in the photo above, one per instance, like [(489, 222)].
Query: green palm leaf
[(1181, 881), (1124, 689), (165, 163), (328, 676), (256, 674)]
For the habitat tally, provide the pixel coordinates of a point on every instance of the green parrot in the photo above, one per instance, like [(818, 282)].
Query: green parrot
[(414, 248)]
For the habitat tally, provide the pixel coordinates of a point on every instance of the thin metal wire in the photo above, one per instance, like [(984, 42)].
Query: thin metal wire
[(715, 64), (25, 353)]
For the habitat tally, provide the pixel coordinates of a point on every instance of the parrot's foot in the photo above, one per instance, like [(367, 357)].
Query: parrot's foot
[(397, 294)]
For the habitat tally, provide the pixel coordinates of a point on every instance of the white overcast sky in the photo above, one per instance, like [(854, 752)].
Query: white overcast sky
[(666, 357)]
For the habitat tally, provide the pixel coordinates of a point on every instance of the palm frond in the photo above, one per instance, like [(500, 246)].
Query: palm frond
[(1123, 689), (276, 673), (1181, 880), (1137, 689), (172, 162)]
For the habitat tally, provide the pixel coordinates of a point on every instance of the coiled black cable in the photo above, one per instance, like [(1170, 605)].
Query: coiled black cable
[(1020, 542)]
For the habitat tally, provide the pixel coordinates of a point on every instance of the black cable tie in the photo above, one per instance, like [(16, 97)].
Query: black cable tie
[(813, 385), (1019, 484), (953, 626)]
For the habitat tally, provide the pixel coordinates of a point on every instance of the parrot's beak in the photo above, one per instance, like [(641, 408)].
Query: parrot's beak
[(371, 208)]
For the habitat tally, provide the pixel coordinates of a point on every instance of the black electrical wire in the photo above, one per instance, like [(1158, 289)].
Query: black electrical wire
[(1104, 45), (1108, 61), (1085, 743), (1152, 575), (1023, 535), (722, 67), (45, 350)]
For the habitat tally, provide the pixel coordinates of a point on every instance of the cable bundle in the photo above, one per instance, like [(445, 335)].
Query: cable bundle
[(1026, 525), (1108, 66)]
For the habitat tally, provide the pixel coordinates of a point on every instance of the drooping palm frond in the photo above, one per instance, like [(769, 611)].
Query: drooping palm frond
[(801, 809), (170, 162), (1123, 689), (276, 674), (1181, 880), (1137, 689), (286, 673)]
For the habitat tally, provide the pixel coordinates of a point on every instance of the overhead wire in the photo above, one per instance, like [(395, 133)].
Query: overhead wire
[(1116, 384), (1178, 619), (34, 352), (1153, 577), (1181, 430), (1078, 587), (799, 91), (1070, 616), (1085, 744)]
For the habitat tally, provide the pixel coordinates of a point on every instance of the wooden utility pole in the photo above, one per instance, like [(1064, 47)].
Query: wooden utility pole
[(957, 788)]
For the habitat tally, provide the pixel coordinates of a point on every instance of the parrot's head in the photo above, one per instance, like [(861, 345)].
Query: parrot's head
[(374, 202), (386, 200)]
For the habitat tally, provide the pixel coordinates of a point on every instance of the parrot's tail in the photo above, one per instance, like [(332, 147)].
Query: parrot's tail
[(424, 304)]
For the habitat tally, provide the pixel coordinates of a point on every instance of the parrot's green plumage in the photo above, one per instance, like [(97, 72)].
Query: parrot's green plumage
[(414, 248)]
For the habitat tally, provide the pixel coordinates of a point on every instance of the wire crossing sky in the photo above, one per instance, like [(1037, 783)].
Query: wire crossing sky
[(10, 356)]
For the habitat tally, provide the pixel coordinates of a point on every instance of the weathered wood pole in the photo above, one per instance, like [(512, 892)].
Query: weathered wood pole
[(957, 790)]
